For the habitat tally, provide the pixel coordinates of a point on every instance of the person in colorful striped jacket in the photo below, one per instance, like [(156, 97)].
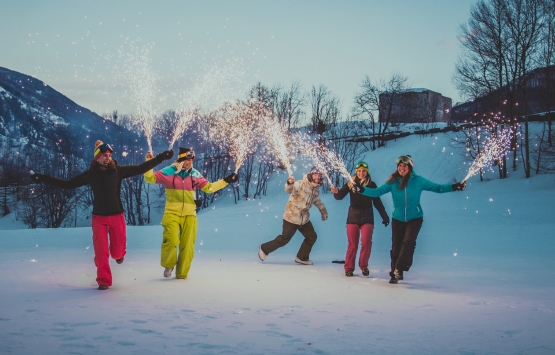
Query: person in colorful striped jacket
[(405, 187), (180, 223)]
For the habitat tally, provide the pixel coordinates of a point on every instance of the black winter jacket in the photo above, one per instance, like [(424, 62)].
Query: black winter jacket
[(360, 210), (105, 184)]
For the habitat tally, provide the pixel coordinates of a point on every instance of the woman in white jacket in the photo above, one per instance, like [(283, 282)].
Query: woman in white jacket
[(304, 193)]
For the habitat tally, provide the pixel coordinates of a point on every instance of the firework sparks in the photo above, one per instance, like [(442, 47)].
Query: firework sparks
[(320, 155), (495, 148), (276, 135), (236, 129), (142, 83), (211, 89), (184, 118)]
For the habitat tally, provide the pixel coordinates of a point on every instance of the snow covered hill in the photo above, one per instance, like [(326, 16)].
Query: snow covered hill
[(35, 118), (480, 284)]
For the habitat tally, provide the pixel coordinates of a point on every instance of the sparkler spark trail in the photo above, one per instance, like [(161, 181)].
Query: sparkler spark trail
[(184, 119), (276, 135), (143, 87), (494, 149), (211, 89), (320, 155), (236, 129)]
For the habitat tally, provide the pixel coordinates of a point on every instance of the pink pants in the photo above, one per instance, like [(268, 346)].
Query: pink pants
[(102, 227), (354, 233)]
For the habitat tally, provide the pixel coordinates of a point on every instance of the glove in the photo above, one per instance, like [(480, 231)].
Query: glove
[(459, 186), (231, 178), (324, 216), (385, 222), (165, 155), (356, 189), (37, 177)]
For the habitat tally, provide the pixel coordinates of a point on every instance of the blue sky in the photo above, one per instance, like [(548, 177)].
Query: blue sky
[(74, 46)]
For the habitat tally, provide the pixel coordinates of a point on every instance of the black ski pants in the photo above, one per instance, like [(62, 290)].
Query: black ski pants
[(289, 229), (403, 243)]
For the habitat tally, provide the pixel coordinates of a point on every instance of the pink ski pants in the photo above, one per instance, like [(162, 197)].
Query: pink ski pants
[(354, 235), (105, 227)]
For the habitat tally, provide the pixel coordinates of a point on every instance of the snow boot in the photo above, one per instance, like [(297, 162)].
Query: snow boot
[(168, 272), (303, 262), (261, 254), (348, 273), (365, 271), (398, 274), (102, 287), (393, 280)]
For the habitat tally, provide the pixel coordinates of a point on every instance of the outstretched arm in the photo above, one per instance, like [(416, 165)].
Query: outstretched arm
[(132, 170), (73, 183)]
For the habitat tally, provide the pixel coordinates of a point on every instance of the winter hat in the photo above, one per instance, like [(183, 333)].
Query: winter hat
[(101, 147), (405, 159), (185, 154), (313, 171)]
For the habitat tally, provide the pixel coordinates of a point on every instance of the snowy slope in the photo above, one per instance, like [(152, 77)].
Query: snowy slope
[(481, 281)]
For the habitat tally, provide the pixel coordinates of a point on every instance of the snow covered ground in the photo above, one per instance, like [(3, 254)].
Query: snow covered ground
[(481, 283)]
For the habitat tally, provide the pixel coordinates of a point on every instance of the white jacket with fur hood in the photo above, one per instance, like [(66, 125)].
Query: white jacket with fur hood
[(304, 194)]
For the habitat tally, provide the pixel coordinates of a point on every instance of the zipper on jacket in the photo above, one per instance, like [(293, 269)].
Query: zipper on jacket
[(406, 203)]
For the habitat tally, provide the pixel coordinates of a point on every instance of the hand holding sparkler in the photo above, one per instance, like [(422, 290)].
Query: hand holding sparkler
[(357, 189), (334, 189), (165, 155), (459, 186), (231, 178), (150, 154), (290, 180)]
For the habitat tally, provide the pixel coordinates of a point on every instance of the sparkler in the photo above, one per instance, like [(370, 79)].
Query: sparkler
[(143, 87), (495, 148), (214, 87), (312, 149), (236, 128), (276, 135)]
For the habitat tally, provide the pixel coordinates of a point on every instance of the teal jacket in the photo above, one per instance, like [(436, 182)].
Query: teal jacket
[(406, 202)]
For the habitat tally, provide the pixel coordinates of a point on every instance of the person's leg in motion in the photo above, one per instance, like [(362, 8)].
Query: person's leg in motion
[(406, 254), (187, 240), (118, 238), (281, 240), (170, 240), (366, 231), (353, 237), (307, 230), (101, 250)]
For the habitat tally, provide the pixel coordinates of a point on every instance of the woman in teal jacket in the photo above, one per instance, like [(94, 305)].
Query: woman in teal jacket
[(405, 187)]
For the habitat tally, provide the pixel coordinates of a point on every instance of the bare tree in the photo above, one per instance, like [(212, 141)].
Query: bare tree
[(325, 109), (288, 105)]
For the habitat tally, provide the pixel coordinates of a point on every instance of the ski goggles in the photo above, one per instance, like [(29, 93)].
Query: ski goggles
[(187, 155), (362, 164), (407, 160), (102, 149)]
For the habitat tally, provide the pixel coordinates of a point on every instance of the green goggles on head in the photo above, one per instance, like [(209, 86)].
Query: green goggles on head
[(362, 165), (407, 160)]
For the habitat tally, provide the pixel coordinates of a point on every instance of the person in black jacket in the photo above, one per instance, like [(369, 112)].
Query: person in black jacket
[(104, 177), (360, 219)]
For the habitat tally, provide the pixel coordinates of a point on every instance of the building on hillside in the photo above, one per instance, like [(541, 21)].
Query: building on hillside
[(415, 106), (540, 89)]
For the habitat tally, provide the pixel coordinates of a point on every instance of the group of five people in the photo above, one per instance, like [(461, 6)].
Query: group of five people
[(179, 221)]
